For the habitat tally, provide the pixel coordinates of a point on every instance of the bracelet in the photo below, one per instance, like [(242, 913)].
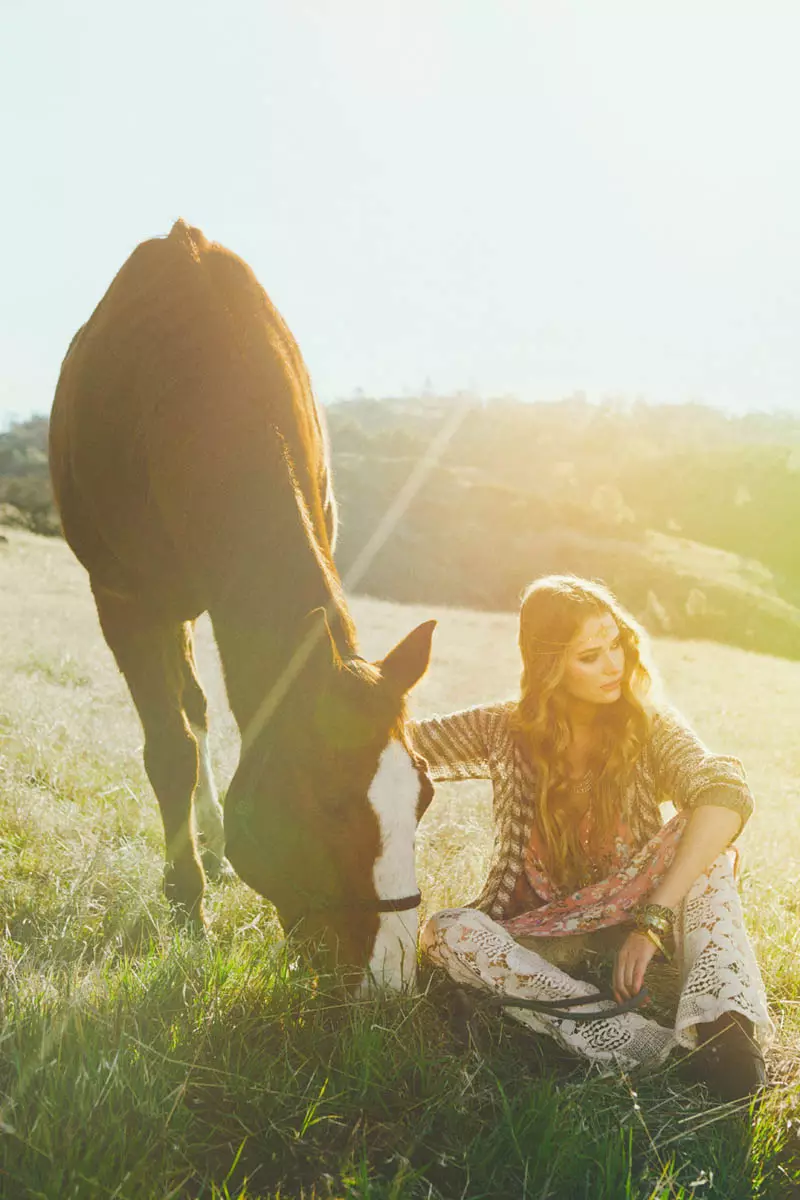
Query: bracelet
[(659, 912), (657, 942), (645, 921), (655, 916)]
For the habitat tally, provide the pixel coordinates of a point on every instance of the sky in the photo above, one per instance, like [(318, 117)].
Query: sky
[(534, 197)]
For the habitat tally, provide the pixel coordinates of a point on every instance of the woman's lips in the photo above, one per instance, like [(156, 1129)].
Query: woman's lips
[(608, 687)]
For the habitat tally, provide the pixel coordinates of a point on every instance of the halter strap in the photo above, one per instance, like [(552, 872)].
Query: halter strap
[(403, 904)]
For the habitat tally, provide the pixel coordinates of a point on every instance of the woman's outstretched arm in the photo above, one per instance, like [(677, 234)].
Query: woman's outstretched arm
[(457, 746)]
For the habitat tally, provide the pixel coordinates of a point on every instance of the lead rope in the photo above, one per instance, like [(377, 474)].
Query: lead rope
[(560, 1009)]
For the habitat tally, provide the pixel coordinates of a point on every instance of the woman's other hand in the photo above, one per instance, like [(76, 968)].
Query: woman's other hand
[(632, 961)]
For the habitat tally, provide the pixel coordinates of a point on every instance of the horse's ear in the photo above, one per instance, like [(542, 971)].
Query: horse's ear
[(317, 641), (407, 663)]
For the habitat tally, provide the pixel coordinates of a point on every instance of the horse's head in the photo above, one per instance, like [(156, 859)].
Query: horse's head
[(322, 812)]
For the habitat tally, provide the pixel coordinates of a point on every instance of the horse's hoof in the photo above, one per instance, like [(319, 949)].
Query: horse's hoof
[(186, 897), (193, 919)]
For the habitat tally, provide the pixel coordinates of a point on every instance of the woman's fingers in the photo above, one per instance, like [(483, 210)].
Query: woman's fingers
[(630, 976), (638, 977), (631, 965), (623, 975)]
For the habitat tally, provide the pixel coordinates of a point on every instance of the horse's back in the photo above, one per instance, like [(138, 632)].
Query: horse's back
[(182, 420)]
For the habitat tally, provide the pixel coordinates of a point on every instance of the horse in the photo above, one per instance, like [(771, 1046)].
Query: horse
[(190, 468)]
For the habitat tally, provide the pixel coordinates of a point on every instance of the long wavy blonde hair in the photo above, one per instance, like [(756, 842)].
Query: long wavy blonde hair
[(554, 609)]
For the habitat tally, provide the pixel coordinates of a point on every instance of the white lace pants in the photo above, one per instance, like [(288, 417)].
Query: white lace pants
[(718, 974)]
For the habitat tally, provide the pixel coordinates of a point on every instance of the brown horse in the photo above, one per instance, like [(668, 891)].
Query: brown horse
[(190, 468)]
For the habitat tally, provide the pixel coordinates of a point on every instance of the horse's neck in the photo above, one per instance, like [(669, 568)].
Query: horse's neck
[(278, 571), (265, 634)]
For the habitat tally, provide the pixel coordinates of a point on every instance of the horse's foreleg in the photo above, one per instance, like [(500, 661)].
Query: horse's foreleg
[(207, 808), (152, 656), (170, 758)]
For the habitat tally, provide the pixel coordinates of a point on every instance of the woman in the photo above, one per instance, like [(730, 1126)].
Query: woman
[(582, 858)]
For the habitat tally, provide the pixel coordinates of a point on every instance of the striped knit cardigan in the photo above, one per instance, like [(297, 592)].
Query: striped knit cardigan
[(479, 743)]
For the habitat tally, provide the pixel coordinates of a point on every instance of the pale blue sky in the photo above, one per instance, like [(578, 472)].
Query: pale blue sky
[(531, 197)]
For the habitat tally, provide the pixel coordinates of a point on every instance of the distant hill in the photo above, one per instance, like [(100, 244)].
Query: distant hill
[(688, 514), (476, 544), (691, 470)]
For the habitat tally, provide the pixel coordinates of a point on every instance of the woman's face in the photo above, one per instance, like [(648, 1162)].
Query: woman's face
[(595, 662)]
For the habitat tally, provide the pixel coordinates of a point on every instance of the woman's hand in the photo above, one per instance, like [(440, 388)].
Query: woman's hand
[(633, 959)]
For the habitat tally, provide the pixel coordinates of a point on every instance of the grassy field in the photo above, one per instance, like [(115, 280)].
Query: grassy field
[(137, 1063)]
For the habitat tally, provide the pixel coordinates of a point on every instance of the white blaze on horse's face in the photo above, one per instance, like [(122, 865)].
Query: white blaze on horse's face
[(393, 794)]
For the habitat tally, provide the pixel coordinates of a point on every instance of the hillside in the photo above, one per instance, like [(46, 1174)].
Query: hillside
[(465, 541), (683, 511)]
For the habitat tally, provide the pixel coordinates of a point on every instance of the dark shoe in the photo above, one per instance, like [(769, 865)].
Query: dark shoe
[(729, 1060)]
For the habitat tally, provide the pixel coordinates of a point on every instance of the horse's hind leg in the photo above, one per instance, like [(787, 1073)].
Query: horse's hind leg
[(207, 808), (153, 656)]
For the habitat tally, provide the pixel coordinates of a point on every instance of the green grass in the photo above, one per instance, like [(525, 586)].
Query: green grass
[(136, 1062)]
